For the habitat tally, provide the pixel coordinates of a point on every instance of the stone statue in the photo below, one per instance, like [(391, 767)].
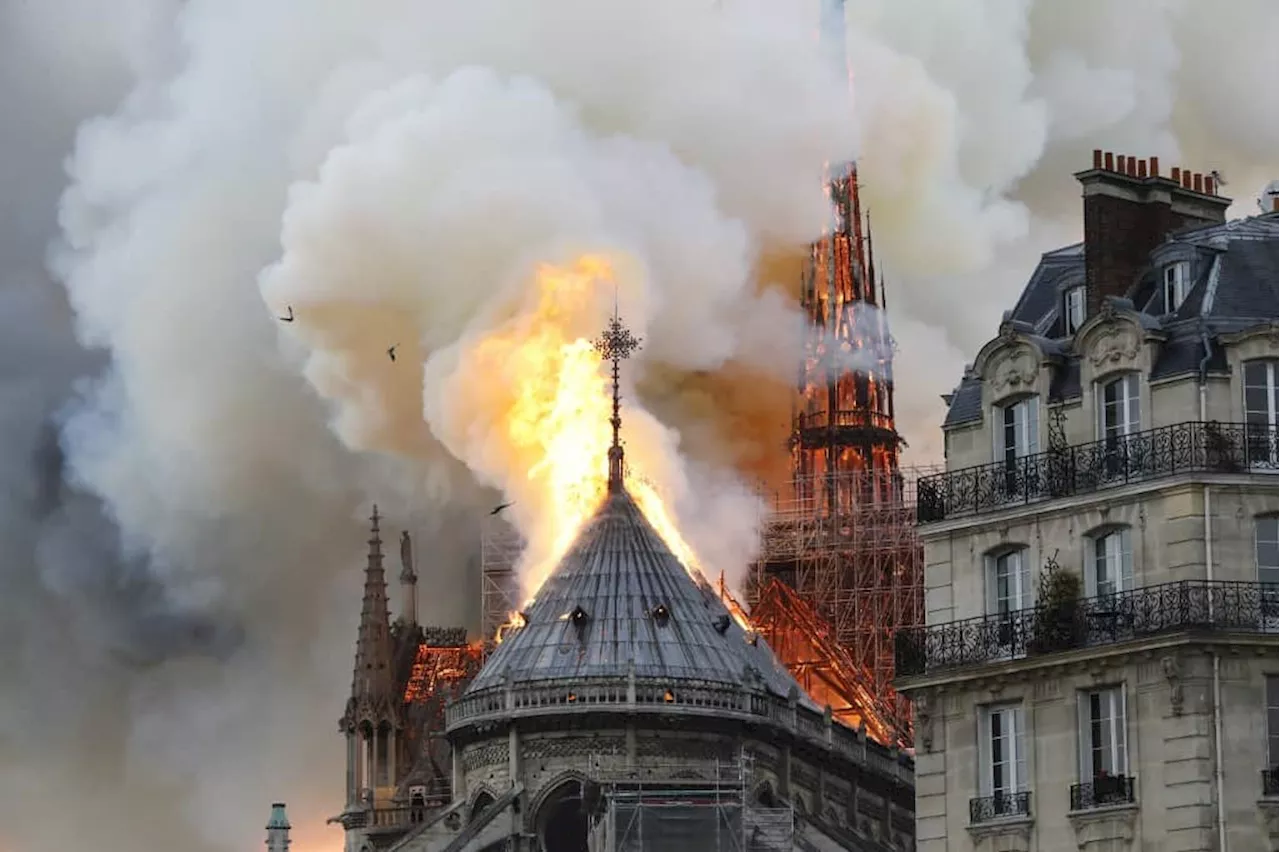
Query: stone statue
[(406, 554)]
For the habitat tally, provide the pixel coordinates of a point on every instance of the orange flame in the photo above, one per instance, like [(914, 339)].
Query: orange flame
[(555, 400)]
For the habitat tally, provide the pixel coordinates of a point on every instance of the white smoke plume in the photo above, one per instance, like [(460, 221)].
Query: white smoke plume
[(175, 595)]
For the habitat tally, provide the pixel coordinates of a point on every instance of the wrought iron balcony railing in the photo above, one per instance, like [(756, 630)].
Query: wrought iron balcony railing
[(1221, 606), (1193, 447), (1270, 782), (999, 806), (1101, 792)]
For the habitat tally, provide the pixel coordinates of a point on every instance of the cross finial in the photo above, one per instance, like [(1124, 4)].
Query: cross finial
[(616, 344)]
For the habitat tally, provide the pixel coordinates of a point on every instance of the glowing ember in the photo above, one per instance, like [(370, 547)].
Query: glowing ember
[(558, 405)]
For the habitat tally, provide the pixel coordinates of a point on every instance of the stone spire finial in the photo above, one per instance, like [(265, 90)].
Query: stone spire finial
[(278, 829), (616, 344), (371, 680)]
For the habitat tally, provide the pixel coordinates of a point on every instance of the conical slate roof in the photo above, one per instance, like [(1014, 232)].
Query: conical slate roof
[(620, 598)]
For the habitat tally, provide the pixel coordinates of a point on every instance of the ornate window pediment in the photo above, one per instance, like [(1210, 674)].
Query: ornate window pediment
[(1008, 366), (1261, 341), (1114, 344)]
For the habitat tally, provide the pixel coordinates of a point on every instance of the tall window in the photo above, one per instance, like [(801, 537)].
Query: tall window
[(1266, 549), (1103, 746), (1273, 721), (1118, 409), (1073, 309), (1111, 563), (1018, 429), (1002, 755), (1177, 281), (1266, 555), (1008, 582), (1260, 392)]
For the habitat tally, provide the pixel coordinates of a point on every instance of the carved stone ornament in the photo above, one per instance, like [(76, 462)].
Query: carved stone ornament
[(1005, 835), (1104, 829), (1173, 673), (1268, 822), (1114, 346), (924, 705), (1016, 372)]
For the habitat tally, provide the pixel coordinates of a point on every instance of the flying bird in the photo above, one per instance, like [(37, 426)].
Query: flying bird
[(503, 506), (391, 353), (1218, 178), (289, 318)]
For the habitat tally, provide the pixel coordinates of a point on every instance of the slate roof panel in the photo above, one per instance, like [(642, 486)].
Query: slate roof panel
[(618, 572)]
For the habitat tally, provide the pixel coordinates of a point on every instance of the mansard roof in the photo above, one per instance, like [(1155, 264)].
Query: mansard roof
[(1234, 287), (621, 602)]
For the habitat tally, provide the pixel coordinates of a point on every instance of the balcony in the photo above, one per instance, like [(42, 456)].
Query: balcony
[(1102, 792), (1193, 447), (1000, 806), (1269, 782), (1200, 605)]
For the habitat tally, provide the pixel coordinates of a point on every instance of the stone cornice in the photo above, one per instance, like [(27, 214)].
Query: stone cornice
[(1103, 827), (1099, 659), (1005, 835)]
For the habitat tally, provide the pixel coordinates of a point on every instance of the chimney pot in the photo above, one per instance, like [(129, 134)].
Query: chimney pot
[(1275, 204), (1110, 165), (1186, 179), (1142, 168), (1197, 183), (1176, 174), (1097, 158), (1155, 167), (1131, 166)]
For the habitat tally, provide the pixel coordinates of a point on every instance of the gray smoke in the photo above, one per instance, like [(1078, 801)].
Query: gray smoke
[(181, 526)]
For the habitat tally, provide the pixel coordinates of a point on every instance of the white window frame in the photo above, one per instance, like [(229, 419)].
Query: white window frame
[(1177, 284), (1265, 531), (1128, 406), (1271, 697), (1073, 308), (1109, 562), (1022, 417), (1260, 421), (1102, 732), (1011, 778), (1017, 569)]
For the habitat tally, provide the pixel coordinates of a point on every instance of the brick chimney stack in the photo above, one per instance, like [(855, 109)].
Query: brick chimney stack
[(1129, 208)]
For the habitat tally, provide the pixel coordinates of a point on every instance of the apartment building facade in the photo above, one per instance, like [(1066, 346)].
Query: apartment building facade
[(1098, 669)]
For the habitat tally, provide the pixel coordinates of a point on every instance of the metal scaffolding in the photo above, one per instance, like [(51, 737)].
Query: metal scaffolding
[(861, 572), (500, 548), (682, 807)]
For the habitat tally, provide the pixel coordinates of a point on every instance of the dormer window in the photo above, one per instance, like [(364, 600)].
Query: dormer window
[(1177, 281), (1073, 308)]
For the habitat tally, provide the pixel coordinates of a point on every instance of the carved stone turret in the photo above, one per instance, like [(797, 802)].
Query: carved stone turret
[(408, 581)]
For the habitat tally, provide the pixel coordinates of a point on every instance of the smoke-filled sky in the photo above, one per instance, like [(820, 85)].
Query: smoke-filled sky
[(184, 480)]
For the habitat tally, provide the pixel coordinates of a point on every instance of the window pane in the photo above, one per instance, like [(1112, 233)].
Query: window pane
[(1273, 721), (1267, 549)]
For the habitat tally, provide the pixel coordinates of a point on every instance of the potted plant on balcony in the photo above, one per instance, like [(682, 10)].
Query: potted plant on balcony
[(1057, 618), (1221, 452)]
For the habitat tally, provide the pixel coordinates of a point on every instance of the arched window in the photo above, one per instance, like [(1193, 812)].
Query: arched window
[(1017, 429), (1260, 392), (1119, 411), (1109, 562), (1008, 581)]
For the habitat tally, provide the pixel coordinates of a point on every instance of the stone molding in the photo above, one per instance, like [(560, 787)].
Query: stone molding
[(1002, 835), (1104, 829), (1267, 819), (1114, 347), (1014, 371)]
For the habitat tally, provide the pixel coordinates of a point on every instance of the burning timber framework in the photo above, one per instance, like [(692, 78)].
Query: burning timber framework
[(861, 572)]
